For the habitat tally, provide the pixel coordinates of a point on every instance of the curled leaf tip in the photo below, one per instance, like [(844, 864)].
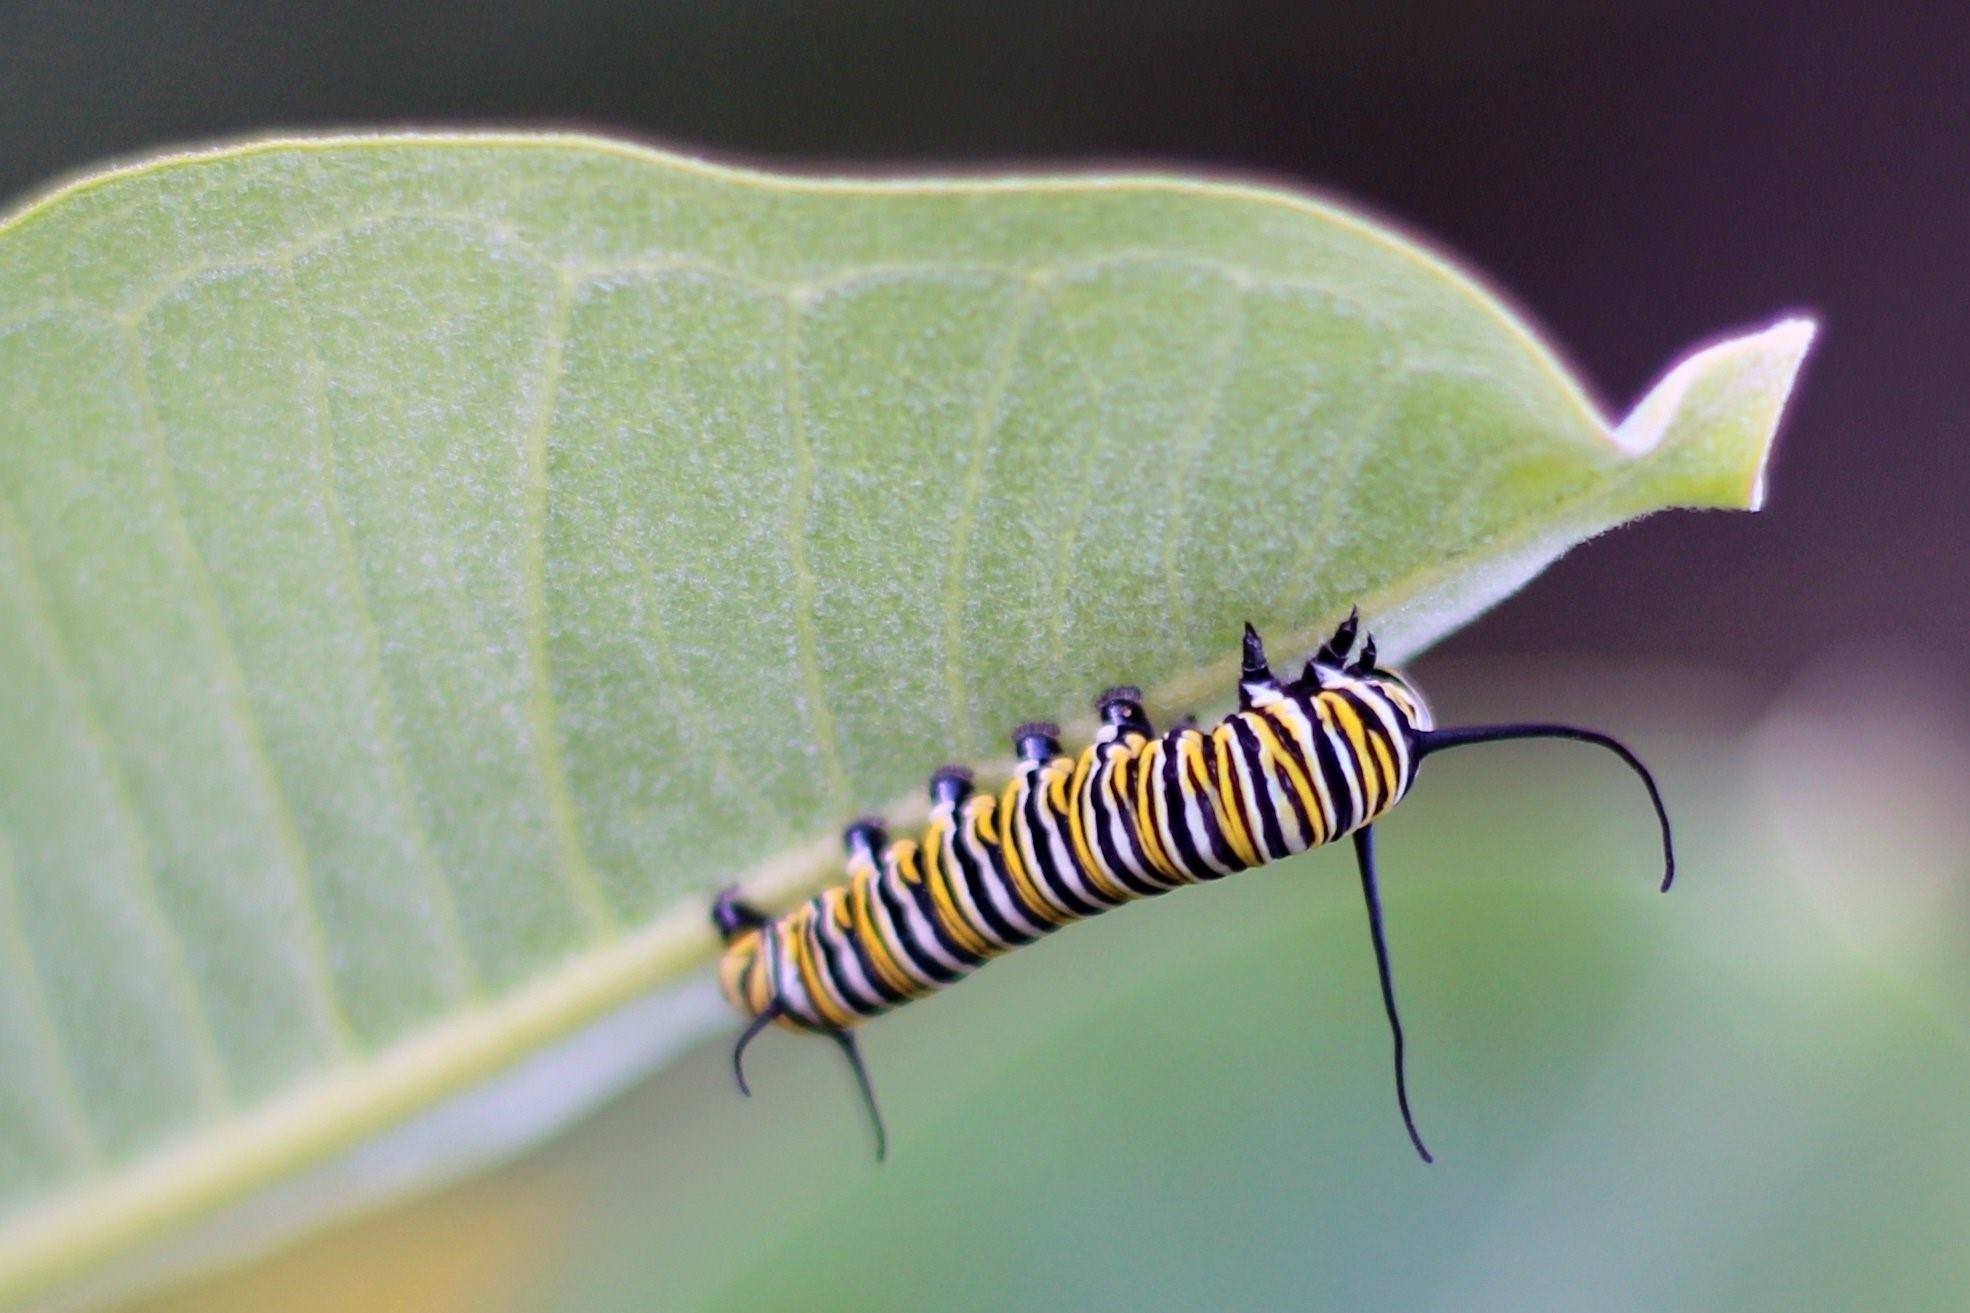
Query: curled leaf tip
[(1716, 413)]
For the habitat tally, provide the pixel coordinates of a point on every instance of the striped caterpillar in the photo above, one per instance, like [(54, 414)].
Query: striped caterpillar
[(1300, 763)]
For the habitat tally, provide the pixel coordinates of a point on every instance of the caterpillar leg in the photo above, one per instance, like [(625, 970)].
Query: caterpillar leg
[(849, 1049), (733, 916), (1037, 740), (1122, 708), (1364, 852)]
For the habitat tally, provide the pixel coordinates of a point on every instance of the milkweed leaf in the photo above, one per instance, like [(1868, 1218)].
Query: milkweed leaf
[(429, 566)]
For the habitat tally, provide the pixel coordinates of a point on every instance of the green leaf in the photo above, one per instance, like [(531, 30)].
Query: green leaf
[(430, 566)]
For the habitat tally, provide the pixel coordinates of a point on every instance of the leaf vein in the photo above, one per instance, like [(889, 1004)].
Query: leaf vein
[(1350, 458), (213, 1083), (741, 785), (1190, 448), (986, 417), (77, 1132), (1063, 557), (800, 501), (459, 965), (312, 935), (543, 714)]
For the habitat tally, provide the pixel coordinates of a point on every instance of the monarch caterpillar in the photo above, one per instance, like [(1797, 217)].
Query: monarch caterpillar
[(1299, 764)]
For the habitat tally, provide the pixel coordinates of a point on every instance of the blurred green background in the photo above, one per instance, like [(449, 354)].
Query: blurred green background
[(1752, 1093)]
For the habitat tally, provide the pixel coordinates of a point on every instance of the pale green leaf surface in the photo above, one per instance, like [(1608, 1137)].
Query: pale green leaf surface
[(430, 566)]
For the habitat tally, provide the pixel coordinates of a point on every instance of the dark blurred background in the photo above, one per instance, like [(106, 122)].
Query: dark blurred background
[(1635, 180)]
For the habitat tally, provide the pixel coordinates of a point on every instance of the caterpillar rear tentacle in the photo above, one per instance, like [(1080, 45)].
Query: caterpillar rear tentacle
[(1299, 764)]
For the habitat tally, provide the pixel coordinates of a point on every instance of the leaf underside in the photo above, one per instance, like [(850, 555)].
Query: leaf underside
[(429, 566)]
